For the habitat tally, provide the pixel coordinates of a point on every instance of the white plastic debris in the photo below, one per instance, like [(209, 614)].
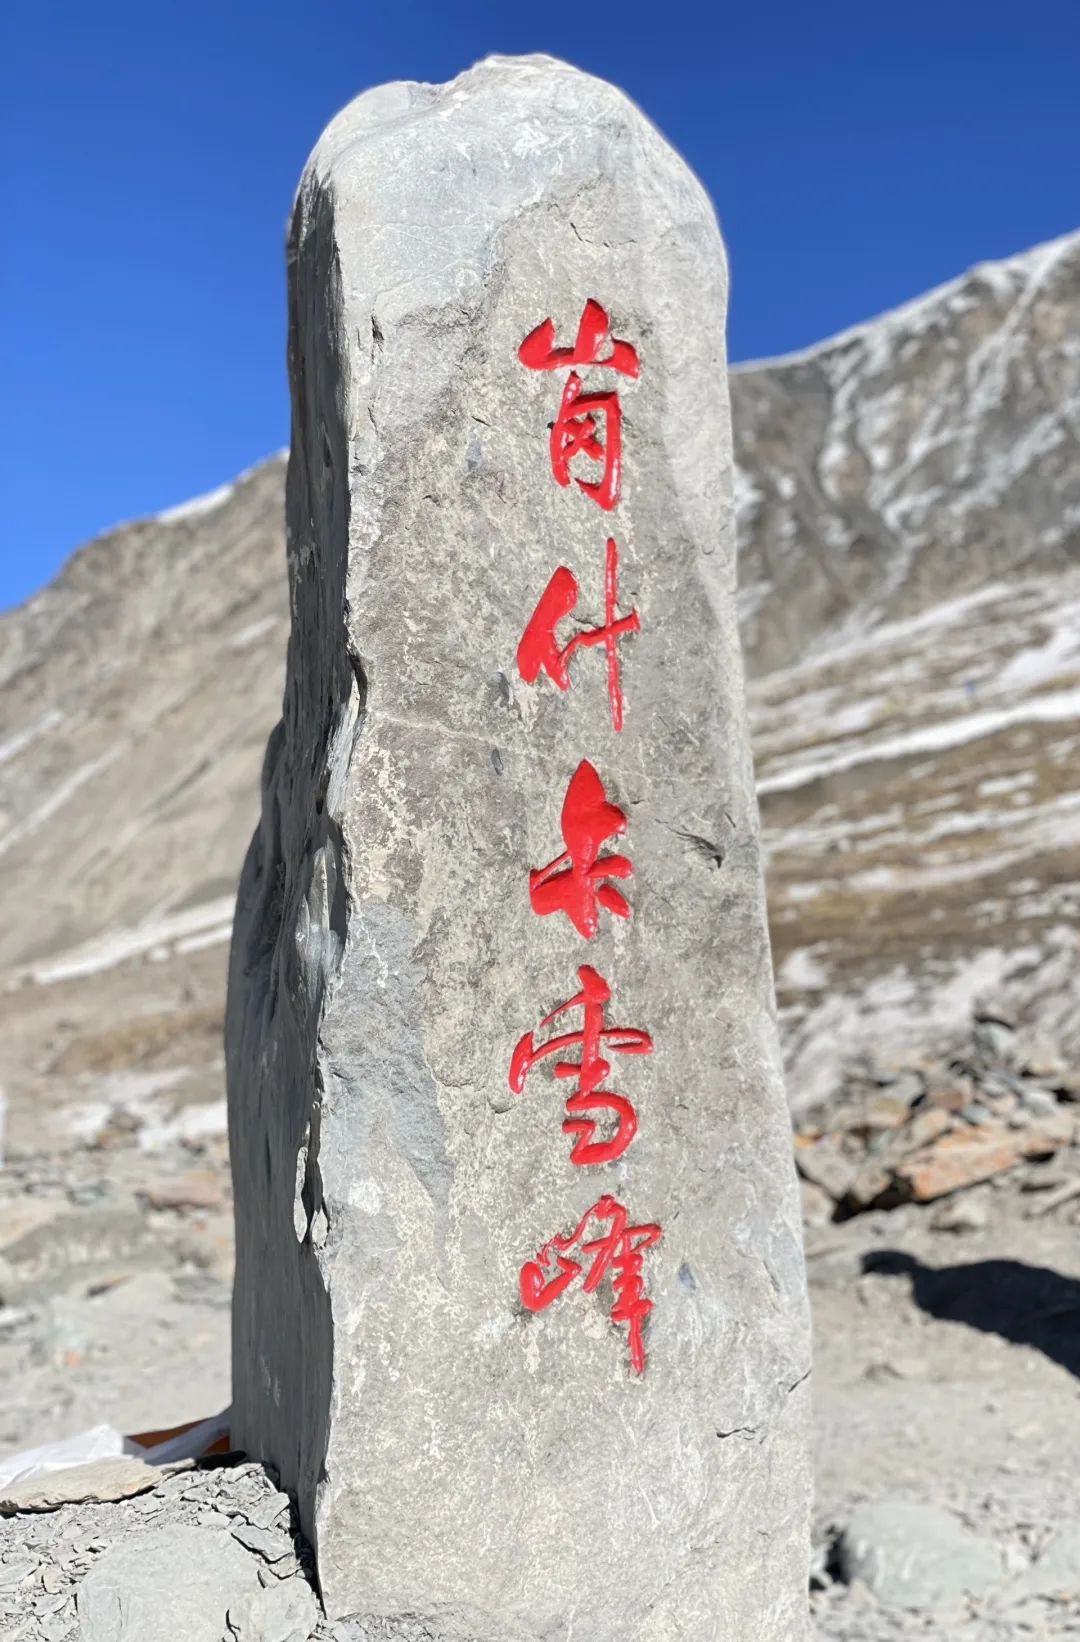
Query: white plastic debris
[(103, 1442)]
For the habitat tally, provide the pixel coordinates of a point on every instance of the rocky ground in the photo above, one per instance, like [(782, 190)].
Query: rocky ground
[(942, 1200), (211, 1554), (942, 1197), (947, 1350)]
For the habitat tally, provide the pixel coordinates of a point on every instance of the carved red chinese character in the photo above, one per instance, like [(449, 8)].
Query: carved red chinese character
[(539, 353), (590, 1070), (539, 648), (574, 882), (576, 429), (619, 1251), (576, 432)]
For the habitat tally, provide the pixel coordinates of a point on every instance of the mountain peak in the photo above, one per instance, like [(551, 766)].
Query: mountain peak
[(909, 522), (1005, 279)]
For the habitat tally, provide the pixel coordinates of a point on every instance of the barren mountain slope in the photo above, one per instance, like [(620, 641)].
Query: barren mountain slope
[(910, 575), (910, 522), (136, 694)]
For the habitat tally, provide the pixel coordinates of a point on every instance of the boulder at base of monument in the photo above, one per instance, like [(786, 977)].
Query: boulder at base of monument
[(521, 1322)]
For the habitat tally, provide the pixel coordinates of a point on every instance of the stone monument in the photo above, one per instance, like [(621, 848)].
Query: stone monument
[(520, 1310)]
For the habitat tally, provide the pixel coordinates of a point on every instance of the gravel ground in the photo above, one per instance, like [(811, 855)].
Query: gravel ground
[(947, 1356), (946, 1364)]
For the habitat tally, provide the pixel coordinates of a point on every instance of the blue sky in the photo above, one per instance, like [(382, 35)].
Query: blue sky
[(858, 153)]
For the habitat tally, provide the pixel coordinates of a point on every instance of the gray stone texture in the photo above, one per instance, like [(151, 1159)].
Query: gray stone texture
[(464, 1468), (917, 1556), (175, 1584)]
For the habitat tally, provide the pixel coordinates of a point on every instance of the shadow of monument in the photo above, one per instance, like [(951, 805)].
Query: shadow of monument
[(1029, 1305)]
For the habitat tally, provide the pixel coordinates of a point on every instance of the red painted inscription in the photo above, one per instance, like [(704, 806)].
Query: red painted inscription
[(539, 353), (574, 882), (576, 432), (581, 881), (539, 648), (590, 1071), (619, 1251)]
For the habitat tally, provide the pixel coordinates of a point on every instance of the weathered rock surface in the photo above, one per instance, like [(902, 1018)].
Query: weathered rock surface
[(174, 1565), (100, 1480), (1055, 1573), (172, 1582), (466, 1467), (933, 1128), (917, 1556)]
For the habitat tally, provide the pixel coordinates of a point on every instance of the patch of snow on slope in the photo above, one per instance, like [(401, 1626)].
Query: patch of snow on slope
[(1006, 278), (1053, 708), (882, 1012), (801, 972), (876, 638), (254, 630), (23, 738), (205, 924), (190, 1125), (1060, 653), (198, 505), (212, 499), (59, 797)]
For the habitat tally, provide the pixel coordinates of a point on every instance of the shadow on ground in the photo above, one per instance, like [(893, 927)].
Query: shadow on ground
[(1029, 1305)]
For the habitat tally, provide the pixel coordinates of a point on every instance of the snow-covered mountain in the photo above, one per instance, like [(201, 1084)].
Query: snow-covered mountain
[(912, 459), (910, 577), (909, 508)]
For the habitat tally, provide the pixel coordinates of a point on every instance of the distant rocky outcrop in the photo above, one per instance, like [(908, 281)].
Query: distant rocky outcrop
[(924, 456), (135, 696), (910, 588), (910, 584)]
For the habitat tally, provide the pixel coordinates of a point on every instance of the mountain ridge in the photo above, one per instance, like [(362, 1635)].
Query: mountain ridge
[(1040, 253), (909, 519)]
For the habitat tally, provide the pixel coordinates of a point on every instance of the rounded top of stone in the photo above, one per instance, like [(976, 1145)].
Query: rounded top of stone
[(416, 182), (528, 83)]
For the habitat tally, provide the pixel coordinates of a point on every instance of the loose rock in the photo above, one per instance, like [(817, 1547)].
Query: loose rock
[(916, 1556), (965, 1213), (165, 1585), (102, 1480), (284, 1611), (1055, 1573)]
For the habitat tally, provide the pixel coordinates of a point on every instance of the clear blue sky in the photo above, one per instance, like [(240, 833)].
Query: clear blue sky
[(859, 151)]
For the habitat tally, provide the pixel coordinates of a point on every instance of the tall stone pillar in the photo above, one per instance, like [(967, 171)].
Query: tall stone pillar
[(522, 1321)]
